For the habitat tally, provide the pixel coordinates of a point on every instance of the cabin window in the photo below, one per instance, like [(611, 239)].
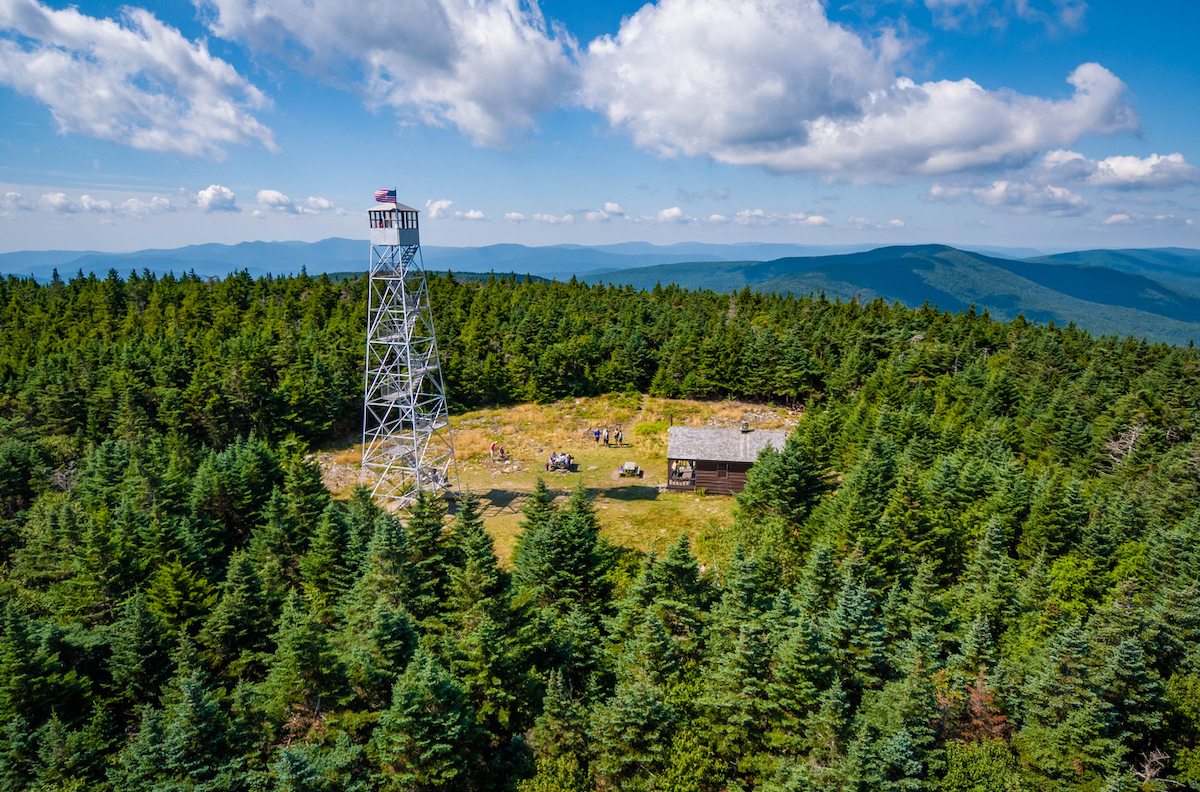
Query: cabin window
[(722, 470)]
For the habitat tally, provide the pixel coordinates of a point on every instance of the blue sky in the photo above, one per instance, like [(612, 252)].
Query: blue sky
[(1039, 123)]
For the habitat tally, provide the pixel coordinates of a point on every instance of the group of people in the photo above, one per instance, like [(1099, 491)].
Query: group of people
[(497, 451), (617, 437), (558, 461)]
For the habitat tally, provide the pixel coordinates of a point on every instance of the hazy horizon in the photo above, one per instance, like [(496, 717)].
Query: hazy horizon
[(1050, 124)]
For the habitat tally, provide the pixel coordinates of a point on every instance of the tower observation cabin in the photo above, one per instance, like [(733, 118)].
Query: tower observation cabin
[(407, 446), (394, 225)]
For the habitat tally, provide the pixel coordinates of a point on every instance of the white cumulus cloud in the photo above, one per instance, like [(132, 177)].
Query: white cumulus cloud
[(13, 202), (435, 210), (63, 204), (136, 81), (60, 203), (554, 219), (514, 217), (275, 201), (1122, 172), (486, 66), (609, 211), (1018, 197), (215, 198), (776, 84), (96, 205), (438, 210), (758, 217), (864, 223), (1158, 221)]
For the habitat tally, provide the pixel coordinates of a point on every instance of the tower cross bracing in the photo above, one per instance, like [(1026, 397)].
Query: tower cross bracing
[(407, 445)]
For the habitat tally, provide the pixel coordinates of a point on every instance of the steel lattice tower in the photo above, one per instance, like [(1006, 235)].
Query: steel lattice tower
[(406, 436)]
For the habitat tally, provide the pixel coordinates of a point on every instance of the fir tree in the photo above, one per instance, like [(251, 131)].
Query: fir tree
[(240, 623), (429, 566), (424, 740), (632, 732), (140, 660), (304, 676), (325, 569), (478, 586), (566, 565), (1063, 735), (855, 637)]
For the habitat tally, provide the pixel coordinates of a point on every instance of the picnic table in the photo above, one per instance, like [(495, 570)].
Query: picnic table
[(630, 469)]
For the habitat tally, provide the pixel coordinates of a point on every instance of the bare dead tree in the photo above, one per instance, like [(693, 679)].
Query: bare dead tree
[(1118, 449), (1151, 766), (64, 478)]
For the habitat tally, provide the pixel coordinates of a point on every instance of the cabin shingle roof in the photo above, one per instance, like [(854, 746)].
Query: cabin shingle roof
[(721, 445)]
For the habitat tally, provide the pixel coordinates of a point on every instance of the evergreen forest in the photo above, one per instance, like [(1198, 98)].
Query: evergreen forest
[(974, 566)]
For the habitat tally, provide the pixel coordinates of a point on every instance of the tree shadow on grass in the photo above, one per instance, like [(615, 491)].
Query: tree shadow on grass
[(628, 493), (501, 500)]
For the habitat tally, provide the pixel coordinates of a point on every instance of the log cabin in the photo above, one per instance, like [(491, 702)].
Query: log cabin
[(715, 460)]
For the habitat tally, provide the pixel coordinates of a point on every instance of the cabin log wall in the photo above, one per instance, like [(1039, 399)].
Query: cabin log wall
[(706, 477)]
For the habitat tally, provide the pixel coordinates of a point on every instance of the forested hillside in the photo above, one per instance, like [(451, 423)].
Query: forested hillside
[(973, 567), (1100, 291)]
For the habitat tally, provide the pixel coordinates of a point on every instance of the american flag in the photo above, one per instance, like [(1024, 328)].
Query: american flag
[(385, 196)]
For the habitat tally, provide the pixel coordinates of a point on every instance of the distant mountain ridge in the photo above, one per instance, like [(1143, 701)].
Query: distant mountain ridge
[(1098, 298), (1153, 293), (341, 255)]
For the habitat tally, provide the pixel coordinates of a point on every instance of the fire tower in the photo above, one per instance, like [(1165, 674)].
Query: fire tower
[(407, 445)]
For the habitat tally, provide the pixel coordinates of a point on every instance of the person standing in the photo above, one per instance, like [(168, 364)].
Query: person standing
[(596, 432), (606, 437)]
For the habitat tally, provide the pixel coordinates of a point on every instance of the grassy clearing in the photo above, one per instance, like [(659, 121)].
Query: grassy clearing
[(634, 512)]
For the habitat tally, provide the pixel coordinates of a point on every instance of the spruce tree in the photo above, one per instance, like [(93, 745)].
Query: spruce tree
[(560, 742), (1063, 736), (631, 732), (240, 623), (19, 669), (855, 638), (537, 511), (496, 684), (377, 647), (429, 564), (140, 661), (478, 586), (739, 698), (566, 564), (800, 672), (819, 584), (988, 584), (325, 569), (1132, 694), (304, 675), (181, 596), (424, 740)]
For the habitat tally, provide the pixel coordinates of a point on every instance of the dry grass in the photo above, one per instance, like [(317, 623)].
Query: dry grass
[(633, 513)]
